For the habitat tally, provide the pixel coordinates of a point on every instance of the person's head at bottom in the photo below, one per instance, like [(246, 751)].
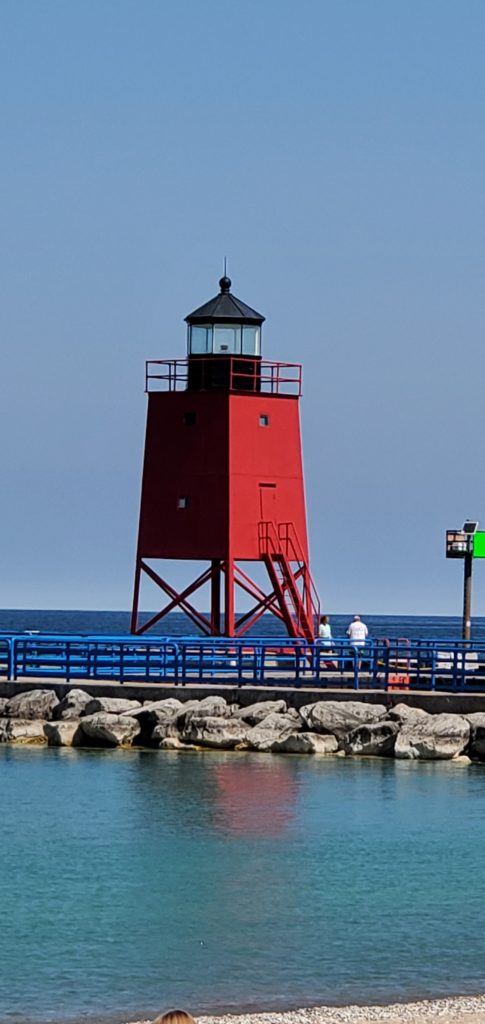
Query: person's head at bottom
[(174, 1017)]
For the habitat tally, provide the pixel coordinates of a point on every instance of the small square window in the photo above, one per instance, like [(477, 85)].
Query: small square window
[(190, 419), (264, 420), (183, 502)]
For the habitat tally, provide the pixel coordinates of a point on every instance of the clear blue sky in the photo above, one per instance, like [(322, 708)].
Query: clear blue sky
[(335, 151)]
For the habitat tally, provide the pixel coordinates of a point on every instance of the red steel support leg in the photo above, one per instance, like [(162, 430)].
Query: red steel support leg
[(216, 596), (136, 597), (229, 597)]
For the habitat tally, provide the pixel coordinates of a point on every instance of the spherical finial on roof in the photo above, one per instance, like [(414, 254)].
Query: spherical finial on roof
[(225, 284)]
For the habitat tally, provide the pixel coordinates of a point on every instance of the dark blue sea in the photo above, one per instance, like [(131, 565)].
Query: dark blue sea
[(118, 622)]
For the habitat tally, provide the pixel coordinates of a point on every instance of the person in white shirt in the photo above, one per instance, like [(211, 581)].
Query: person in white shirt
[(325, 637), (325, 631), (357, 632)]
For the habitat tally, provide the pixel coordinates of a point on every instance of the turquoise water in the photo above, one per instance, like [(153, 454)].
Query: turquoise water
[(131, 881)]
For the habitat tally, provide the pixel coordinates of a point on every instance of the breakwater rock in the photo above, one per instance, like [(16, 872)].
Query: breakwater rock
[(322, 727)]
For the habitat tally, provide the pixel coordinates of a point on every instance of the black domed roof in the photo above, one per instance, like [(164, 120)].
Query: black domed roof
[(225, 308)]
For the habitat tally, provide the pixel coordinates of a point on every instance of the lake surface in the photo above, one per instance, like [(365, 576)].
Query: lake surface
[(135, 880), (118, 622)]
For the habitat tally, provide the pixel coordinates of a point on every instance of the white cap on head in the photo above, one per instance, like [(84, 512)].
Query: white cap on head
[(356, 618)]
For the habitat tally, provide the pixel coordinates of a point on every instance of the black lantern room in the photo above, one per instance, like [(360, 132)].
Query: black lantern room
[(224, 343)]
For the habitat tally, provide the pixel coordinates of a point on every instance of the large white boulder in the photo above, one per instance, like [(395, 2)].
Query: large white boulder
[(476, 719), (255, 713), (209, 707), (34, 704), (218, 732), (437, 737), (111, 705), (72, 706), (340, 717), (158, 720), (152, 734), (25, 731), (64, 733), (404, 713), (269, 734), (109, 730), (307, 743), (156, 710), (374, 738)]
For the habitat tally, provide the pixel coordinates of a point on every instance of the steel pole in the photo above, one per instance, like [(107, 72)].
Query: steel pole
[(467, 595), (216, 596), (229, 623)]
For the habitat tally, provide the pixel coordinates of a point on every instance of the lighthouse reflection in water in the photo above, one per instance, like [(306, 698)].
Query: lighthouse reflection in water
[(254, 799)]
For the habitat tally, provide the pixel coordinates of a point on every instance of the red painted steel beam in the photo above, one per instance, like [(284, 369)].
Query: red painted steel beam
[(136, 597), (179, 599)]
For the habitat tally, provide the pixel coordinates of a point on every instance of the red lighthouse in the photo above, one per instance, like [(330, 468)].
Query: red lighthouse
[(223, 476)]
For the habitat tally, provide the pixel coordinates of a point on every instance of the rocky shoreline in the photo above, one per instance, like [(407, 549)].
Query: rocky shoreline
[(468, 1009), (321, 727)]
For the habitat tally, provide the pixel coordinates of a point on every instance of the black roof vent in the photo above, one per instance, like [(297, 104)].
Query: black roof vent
[(224, 308)]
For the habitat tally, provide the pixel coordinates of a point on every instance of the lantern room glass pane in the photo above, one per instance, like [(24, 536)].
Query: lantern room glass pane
[(227, 338), (251, 341), (200, 340)]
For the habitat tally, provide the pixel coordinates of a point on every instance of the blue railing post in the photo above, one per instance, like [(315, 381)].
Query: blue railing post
[(433, 668), (418, 663), (240, 665), (375, 664), (297, 665), (259, 662), (454, 670), (356, 667), (463, 668), (175, 664), (14, 659), (183, 665)]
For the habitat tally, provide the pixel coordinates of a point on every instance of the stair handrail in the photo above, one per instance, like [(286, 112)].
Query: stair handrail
[(270, 538), (270, 544), (267, 531), (299, 556)]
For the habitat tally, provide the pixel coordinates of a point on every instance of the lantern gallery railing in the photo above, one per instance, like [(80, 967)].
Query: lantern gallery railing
[(382, 664), (231, 373)]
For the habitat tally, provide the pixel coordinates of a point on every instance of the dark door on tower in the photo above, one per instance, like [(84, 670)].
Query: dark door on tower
[(267, 502)]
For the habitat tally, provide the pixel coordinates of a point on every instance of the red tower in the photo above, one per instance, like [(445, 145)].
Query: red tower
[(223, 476)]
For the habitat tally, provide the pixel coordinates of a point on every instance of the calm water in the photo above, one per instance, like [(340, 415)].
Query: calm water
[(130, 881)]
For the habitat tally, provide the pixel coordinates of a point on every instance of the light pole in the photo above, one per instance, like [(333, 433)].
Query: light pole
[(460, 544)]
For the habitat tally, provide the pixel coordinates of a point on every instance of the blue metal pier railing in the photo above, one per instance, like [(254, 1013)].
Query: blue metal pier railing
[(381, 664)]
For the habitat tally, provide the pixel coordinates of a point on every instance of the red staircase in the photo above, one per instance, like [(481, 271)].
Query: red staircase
[(290, 577)]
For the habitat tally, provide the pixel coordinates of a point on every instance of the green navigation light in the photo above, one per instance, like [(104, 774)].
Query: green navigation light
[(479, 544)]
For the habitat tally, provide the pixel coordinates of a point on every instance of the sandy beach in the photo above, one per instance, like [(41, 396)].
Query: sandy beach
[(469, 1009)]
